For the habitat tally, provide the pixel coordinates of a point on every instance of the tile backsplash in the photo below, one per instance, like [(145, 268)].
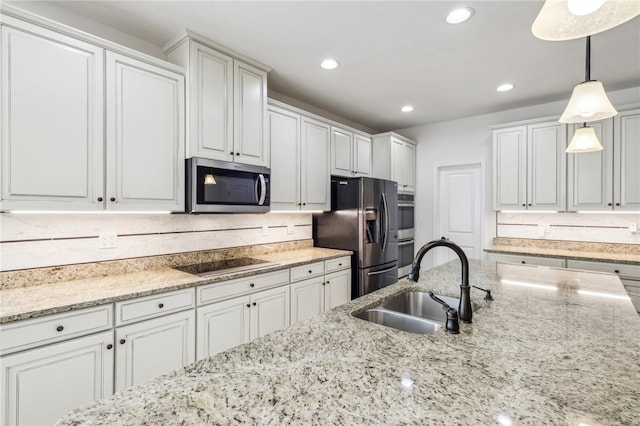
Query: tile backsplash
[(42, 240), (619, 228)]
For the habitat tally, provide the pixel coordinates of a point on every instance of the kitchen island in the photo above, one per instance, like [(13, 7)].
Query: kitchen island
[(555, 346)]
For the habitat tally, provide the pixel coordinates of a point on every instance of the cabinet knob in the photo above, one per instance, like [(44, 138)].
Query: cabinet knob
[(524, 205), (231, 153), (616, 271), (324, 283), (161, 305), (113, 199), (311, 272), (618, 204), (122, 341), (609, 204), (254, 303), (248, 305), (304, 204), (237, 153), (299, 204), (100, 199), (252, 285), (529, 205), (328, 282), (523, 262), (59, 328), (339, 264), (109, 346)]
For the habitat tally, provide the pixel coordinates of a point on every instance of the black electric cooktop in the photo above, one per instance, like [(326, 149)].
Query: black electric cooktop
[(222, 266)]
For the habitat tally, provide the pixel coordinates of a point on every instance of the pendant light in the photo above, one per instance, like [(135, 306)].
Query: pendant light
[(588, 102), (584, 140), (570, 19)]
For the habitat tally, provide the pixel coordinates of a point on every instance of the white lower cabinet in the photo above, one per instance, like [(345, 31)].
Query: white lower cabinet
[(41, 385), (527, 260), (154, 347)]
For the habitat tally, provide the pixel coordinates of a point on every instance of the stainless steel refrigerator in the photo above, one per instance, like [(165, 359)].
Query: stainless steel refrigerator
[(362, 219)]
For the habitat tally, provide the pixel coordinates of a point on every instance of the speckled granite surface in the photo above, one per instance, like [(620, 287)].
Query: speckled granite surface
[(554, 347), (54, 274), (621, 253), (28, 302)]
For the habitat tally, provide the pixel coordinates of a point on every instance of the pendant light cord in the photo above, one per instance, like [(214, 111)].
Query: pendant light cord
[(587, 67)]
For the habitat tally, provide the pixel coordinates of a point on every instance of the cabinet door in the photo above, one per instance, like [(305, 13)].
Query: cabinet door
[(52, 122), (145, 136), (397, 160), (409, 168), (314, 165), (337, 289), (211, 103), (307, 299), (341, 152), (222, 326), (627, 171), (590, 174), (250, 110), (362, 155), (269, 311), (546, 166), (41, 385), (150, 348), (510, 169), (283, 128)]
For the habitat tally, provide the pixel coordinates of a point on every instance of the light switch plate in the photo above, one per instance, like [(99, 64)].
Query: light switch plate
[(107, 240), (289, 229)]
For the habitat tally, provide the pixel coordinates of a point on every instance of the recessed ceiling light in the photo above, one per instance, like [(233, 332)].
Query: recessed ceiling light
[(406, 108), (505, 87), (329, 64), (458, 16)]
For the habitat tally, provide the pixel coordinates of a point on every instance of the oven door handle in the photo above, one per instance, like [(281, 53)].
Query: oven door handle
[(263, 189), (382, 271)]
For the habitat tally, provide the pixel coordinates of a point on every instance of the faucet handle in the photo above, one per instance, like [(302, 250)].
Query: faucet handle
[(452, 325)]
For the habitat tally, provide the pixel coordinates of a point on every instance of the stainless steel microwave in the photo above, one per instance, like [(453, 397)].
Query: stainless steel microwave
[(224, 187)]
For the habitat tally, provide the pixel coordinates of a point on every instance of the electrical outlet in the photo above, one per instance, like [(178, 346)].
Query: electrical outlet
[(540, 231), (633, 228), (107, 240), (289, 229), (265, 230)]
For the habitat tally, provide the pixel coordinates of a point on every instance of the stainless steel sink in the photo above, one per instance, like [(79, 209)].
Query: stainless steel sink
[(419, 304), (400, 321)]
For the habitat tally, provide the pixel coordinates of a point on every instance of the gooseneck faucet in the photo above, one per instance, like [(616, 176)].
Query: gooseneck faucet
[(464, 308)]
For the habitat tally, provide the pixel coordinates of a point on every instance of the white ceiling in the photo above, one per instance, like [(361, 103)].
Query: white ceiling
[(392, 53)]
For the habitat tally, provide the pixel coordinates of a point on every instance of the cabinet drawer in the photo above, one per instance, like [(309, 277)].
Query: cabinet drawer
[(20, 335), (337, 264), (527, 260), (622, 270), (227, 289), (143, 308), (307, 271)]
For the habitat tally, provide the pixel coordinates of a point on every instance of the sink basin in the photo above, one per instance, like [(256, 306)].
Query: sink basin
[(419, 304), (400, 321)]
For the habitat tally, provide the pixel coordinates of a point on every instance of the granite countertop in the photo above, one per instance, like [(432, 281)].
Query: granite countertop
[(38, 300), (596, 256), (554, 347)]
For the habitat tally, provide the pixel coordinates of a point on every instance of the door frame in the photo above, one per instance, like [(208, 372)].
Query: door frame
[(436, 191)]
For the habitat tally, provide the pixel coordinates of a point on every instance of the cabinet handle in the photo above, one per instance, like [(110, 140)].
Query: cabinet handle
[(59, 328), (113, 199), (252, 285), (161, 305), (248, 305), (100, 199), (109, 346), (122, 341), (254, 303), (616, 271)]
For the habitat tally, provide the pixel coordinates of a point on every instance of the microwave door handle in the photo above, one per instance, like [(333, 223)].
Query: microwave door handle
[(263, 189)]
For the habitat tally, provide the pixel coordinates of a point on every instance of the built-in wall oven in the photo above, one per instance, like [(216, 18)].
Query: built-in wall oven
[(406, 207)]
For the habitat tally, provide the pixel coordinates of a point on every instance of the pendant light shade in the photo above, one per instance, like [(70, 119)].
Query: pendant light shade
[(588, 102), (584, 140), (571, 19)]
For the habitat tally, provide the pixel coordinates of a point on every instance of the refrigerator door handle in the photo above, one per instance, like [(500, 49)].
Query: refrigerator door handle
[(385, 236), (382, 271)]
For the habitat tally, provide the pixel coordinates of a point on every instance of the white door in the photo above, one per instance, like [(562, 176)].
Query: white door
[(222, 326), (283, 129), (145, 136), (250, 106), (52, 122), (314, 165), (459, 211), (269, 311), (150, 348), (341, 152), (337, 289), (41, 385), (307, 299)]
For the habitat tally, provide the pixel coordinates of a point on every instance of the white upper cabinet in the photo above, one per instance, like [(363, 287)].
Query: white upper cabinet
[(227, 102), (52, 121), (626, 190), (530, 167), (300, 177), (145, 136), (394, 158), (350, 153)]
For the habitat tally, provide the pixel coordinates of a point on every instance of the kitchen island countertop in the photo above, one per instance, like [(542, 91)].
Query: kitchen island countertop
[(554, 347)]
